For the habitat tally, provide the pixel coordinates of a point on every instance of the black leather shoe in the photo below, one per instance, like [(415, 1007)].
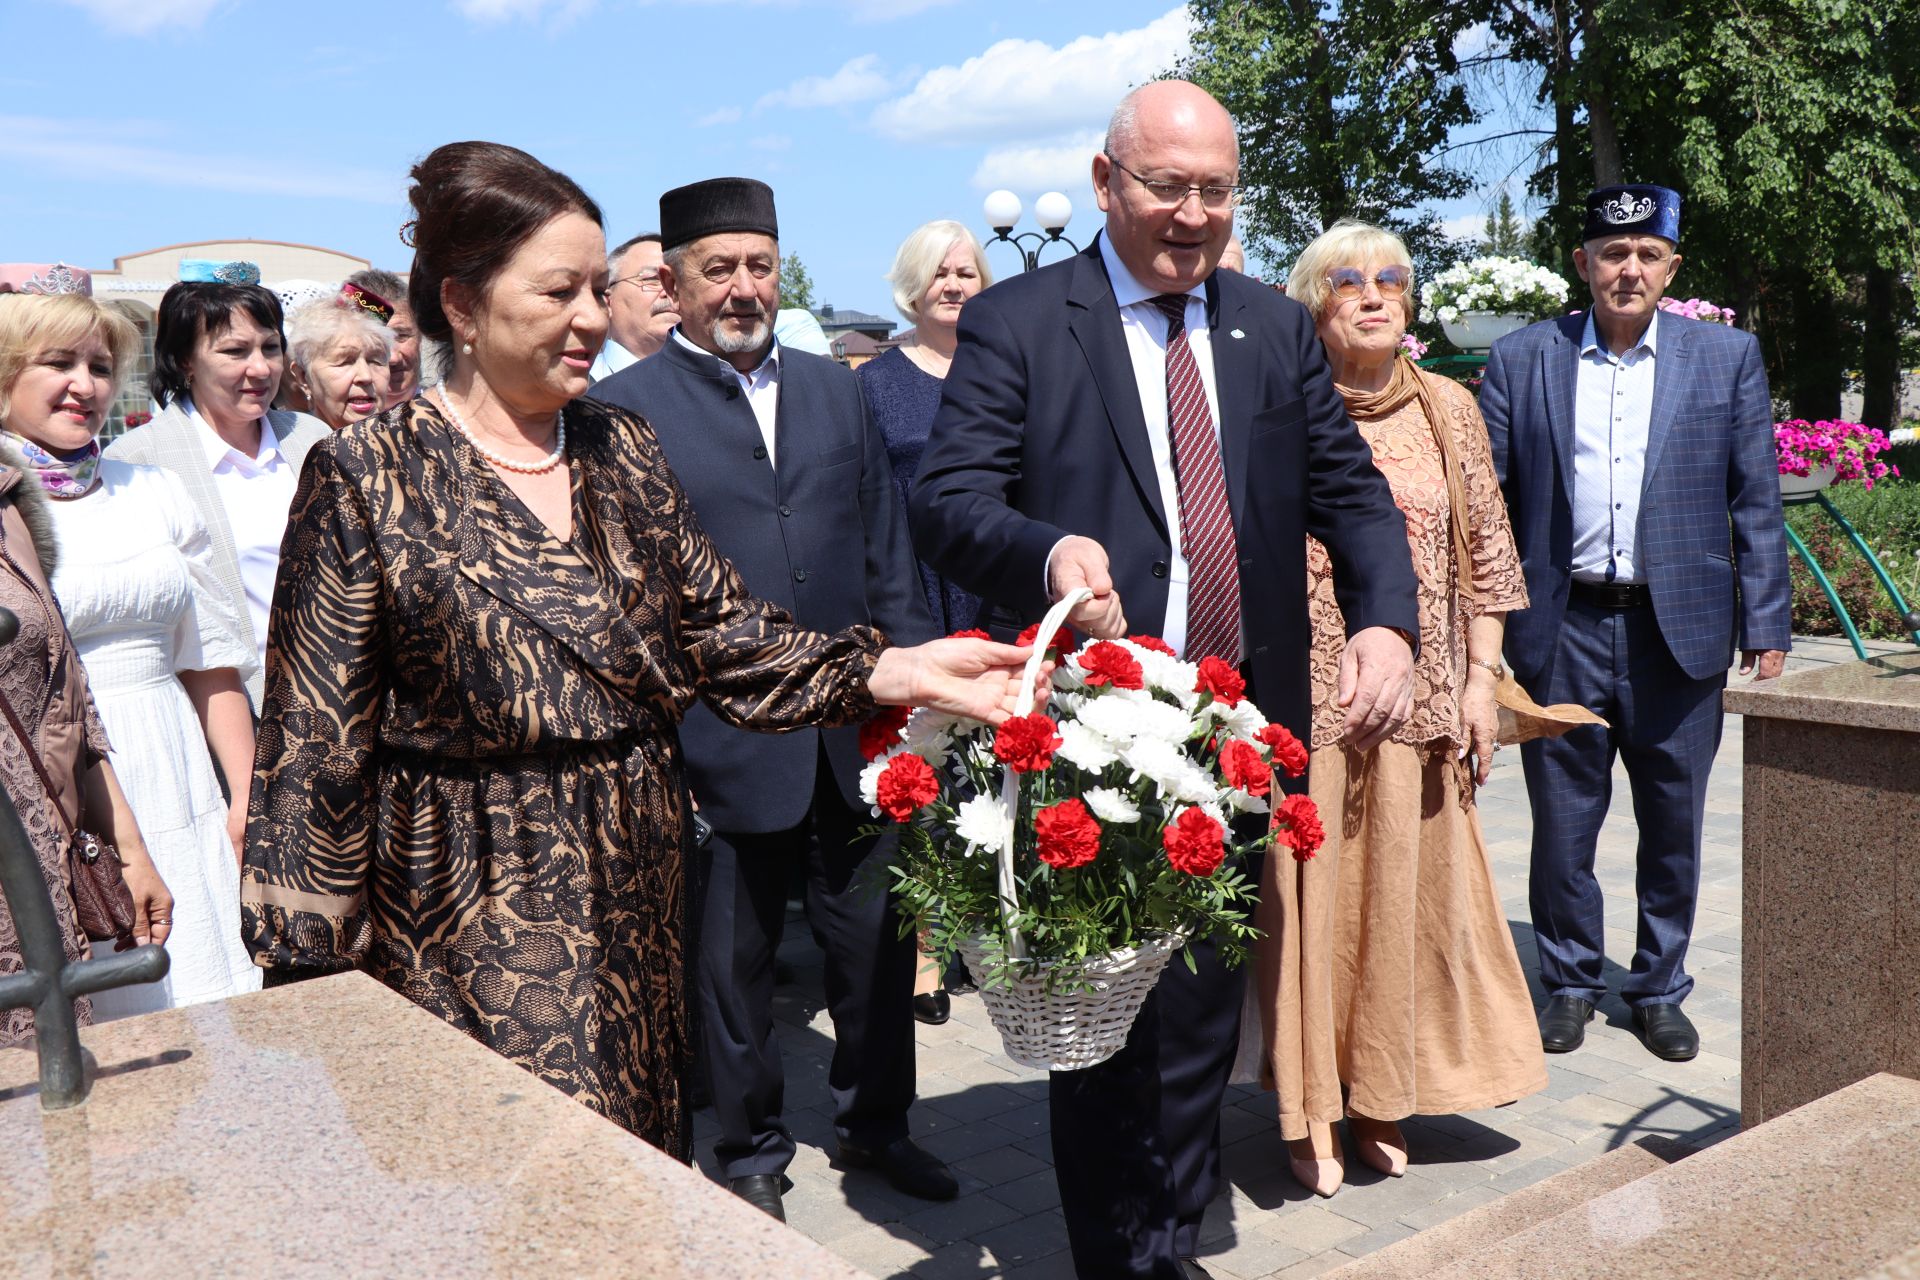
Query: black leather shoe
[(762, 1191), (1192, 1270), (932, 1008), (1667, 1032), (1563, 1023), (907, 1165)]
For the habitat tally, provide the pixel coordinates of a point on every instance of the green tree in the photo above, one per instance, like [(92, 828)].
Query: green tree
[(1344, 111), (796, 286), (1505, 236)]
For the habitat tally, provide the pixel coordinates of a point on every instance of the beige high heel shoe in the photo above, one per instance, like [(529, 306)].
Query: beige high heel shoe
[(1317, 1161), (1379, 1144)]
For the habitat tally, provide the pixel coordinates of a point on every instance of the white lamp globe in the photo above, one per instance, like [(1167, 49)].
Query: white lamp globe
[(1053, 212), (1002, 209)]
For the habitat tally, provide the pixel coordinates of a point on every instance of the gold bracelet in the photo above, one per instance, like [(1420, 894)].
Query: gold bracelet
[(1497, 669)]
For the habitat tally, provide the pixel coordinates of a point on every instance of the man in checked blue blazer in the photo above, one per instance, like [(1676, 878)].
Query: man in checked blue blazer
[(1636, 451)]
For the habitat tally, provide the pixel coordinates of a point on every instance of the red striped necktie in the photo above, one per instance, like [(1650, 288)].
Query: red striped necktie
[(1206, 519)]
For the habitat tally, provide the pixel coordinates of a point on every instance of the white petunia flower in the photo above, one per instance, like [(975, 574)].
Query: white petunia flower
[(1109, 804), (1085, 747), (982, 823)]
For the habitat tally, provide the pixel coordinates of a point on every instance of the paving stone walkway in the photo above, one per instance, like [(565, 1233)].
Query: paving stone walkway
[(988, 1117)]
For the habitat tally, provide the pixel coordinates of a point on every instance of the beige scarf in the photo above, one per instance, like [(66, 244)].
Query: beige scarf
[(1408, 382)]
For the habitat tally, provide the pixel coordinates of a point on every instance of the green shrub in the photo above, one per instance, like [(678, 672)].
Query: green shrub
[(1889, 519)]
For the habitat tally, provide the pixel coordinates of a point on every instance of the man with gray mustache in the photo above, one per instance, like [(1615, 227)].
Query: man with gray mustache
[(791, 481)]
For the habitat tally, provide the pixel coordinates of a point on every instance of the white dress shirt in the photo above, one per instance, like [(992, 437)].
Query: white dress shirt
[(761, 387), (612, 359), (257, 493), (1147, 329), (1613, 411)]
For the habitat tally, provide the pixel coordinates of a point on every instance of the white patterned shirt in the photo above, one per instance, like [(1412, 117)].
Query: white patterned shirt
[(1613, 412)]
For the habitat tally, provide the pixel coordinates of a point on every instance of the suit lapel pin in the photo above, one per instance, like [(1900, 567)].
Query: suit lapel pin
[(1239, 333)]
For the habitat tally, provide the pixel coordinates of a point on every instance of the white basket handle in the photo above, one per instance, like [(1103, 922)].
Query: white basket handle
[(1010, 781)]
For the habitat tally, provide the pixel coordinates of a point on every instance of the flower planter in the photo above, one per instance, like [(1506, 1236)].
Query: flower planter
[(1476, 331), (1792, 486), (1081, 1025)]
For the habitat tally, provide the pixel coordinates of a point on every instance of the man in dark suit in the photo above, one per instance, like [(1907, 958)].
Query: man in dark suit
[(790, 479), (1636, 451), (1136, 423)]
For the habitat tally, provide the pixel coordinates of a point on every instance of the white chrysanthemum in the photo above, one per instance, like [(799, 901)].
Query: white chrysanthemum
[(1241, 802), (1083, 746), (929, 733), (1065, 706), (1170, 675), (1169, 769), (1110, 804), (1121, 720), (1243, 720), (982, 823)]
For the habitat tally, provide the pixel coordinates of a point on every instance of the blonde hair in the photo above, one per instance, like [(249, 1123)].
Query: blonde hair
[(1347, 243), (30, 325), (919, 259)]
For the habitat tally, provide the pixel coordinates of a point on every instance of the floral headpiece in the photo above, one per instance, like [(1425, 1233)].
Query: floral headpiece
[(209, 271), (44, 278), (368, 301)]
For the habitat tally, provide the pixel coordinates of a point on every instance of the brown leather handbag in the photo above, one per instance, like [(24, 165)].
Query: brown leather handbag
[(101, 899)]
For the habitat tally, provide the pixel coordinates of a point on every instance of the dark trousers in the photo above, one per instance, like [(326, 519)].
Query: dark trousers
[(1665, 727), (869, 982), (1136, 1139)]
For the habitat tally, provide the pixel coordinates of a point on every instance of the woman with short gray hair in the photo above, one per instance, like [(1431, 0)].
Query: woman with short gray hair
[(337, 356)]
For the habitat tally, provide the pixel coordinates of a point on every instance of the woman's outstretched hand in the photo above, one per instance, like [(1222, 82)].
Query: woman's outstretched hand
[(975, 678)]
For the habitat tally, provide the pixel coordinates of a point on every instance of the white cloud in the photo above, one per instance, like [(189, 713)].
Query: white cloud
[(1029, 90), (860, 79), (722, 115), (138, 17), (47, 149), (1474, 41), (1468, 226), (529, 10), (1062, 164)]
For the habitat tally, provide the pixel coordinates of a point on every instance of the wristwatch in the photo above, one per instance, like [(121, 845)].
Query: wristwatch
[(1497, 669)]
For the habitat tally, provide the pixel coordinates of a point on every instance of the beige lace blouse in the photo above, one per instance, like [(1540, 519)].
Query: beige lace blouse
[(1404, 450)]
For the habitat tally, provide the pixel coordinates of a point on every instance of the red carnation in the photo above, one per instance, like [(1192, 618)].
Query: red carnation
[(1219, 678), (1244, 768), (1108, 663), (1154, 643), (906, 784), (1062, 640), (1296, 824), (1193, 843), (1026, 743), (1069, 837), (883, 731), (970, 633), (1289, 753)]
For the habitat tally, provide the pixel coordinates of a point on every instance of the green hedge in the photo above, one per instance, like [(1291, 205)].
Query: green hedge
[(1889, 519)]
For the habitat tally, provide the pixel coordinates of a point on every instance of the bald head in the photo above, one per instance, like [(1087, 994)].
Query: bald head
[(1168, 110), (1168, 144)]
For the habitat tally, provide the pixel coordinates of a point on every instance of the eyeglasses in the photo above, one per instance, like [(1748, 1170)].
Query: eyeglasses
[(1349, 283), (648, 282), (1214, 196)]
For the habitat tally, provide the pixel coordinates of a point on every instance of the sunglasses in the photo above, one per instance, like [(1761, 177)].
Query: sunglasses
[(1348, 283)]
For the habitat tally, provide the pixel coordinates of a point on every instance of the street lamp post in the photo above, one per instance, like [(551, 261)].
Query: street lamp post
[(1052, 211)]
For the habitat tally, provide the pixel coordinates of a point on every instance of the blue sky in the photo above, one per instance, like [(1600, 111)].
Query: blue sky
[(150, 122)]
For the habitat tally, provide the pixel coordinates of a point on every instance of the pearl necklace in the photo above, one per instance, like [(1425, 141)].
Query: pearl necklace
[(541, 467)]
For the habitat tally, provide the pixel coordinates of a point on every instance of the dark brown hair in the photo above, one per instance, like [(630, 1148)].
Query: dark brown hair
[(192, 308), (474, 205)]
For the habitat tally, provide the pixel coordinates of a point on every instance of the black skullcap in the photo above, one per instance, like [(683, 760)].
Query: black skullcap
[(1633, 209), (714, 207)]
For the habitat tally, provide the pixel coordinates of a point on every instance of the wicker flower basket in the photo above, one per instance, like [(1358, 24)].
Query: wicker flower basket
[(1082, 1023), (1070, 1029)]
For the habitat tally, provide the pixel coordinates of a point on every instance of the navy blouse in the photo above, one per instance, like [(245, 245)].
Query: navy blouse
[(903, 398)]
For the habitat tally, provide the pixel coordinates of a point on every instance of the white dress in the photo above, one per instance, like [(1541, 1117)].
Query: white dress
[(136, 583)]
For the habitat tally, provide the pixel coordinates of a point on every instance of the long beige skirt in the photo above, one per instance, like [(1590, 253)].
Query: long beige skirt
[(1387, 966)]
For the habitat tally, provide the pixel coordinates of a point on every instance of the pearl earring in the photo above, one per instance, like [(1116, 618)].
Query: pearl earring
[(466, 348)]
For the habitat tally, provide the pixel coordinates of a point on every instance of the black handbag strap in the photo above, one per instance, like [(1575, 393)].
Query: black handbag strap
[(33, 755)]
